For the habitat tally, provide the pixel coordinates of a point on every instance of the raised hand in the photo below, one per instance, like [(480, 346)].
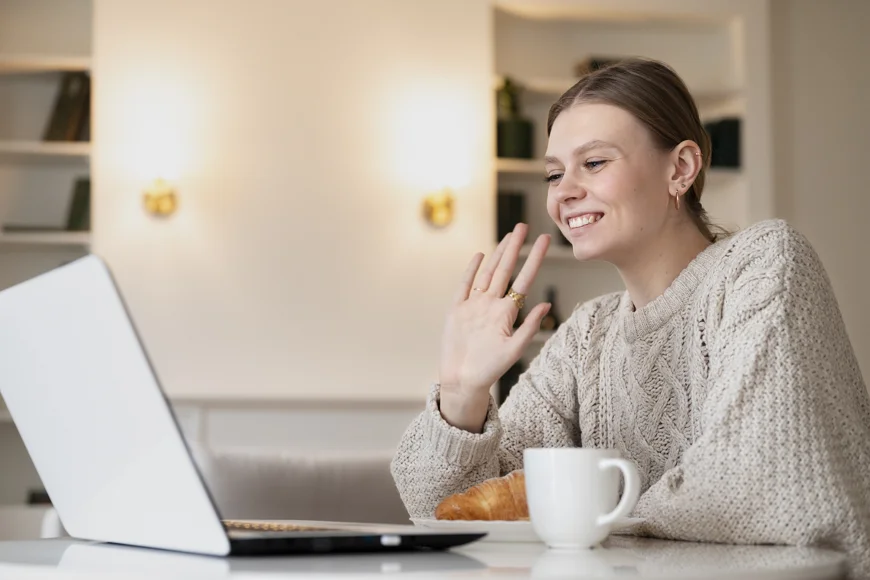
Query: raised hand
[(479, 342)]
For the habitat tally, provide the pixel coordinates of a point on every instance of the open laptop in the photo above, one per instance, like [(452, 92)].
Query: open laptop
[(105, 442)]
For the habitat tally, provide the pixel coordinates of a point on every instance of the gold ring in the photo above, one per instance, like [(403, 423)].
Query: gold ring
[(478, 289), (519, 299)]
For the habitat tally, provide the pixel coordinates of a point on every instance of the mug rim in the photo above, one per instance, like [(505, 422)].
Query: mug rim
[(599, 450)]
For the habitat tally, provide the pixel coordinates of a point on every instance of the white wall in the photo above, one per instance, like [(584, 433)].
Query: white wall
[(822, 130), (302, 137)]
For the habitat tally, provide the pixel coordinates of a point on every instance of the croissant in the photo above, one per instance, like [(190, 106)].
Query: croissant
[(499, 498)]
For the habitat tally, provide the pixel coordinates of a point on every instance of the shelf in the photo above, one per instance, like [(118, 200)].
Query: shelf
[(543, 86), (46, 238), (533, 167), (605, 13), (44, 151), (553, 88), (30, 64)]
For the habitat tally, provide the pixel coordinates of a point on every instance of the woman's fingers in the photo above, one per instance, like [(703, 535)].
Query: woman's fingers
[(533, 263), (485, 277), (505, 269), (468, 278), (498, 270)]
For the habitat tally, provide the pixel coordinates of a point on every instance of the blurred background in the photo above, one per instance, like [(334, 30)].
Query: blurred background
[(288, 190)]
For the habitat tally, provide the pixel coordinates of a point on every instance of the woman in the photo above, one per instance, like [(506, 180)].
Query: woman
[(723, 371)]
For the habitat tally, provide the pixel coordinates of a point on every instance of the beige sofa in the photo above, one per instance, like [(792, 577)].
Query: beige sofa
[(265, 484), (247, 483)]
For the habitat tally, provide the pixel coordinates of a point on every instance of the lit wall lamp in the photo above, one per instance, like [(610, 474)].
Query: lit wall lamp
[(160, 199), (438, 208)]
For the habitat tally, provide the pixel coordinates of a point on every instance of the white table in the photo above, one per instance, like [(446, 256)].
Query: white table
[(620, 557)]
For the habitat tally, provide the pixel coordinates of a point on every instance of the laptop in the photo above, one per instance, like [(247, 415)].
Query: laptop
[(102, 435)]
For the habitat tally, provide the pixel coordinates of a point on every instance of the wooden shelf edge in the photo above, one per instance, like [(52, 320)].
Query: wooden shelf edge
[(36, 63), (555, 87), (46, 148), (534, 167), (59, 238)]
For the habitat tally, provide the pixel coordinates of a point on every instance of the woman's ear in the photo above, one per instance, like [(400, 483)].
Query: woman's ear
[(687, 161)]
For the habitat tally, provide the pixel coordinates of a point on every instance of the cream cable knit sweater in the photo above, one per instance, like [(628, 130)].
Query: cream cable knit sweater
[(736, 393)]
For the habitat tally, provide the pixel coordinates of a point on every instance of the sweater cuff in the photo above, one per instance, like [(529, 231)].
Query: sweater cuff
[(456, 445)]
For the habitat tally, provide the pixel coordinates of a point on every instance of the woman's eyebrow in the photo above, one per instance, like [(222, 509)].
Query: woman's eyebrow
[(594, 144)]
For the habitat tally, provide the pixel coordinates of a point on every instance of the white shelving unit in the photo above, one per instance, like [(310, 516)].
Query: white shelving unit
[(37, 176)]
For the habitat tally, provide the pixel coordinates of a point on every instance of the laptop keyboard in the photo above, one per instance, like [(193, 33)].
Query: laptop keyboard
[(273, 527)]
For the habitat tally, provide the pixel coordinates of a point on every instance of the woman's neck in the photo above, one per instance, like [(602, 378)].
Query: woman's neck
[(653, 269)]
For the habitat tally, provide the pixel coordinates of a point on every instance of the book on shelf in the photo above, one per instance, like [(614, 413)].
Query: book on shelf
[(78, 214), (70, 115)]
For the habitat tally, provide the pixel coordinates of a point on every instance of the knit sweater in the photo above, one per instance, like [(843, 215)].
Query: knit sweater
[(736, 393)]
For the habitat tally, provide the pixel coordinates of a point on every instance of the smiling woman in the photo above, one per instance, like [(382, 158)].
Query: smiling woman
[(723, 371)]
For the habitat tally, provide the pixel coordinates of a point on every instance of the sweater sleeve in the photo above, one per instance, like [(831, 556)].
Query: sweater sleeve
[(782, 457), (435, 460)]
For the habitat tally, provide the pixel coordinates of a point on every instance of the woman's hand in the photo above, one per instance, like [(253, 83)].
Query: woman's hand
[(480, 343)]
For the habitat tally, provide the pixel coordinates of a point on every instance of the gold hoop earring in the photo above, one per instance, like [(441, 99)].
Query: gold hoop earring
[(677, 201)]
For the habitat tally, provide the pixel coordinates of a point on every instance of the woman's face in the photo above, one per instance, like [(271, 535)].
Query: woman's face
[(608, 185)]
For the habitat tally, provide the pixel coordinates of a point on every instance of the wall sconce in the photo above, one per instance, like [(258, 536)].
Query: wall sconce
[(438, 208), (160, 199)]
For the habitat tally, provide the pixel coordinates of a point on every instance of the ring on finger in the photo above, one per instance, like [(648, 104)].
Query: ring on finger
[(476, 289), (518, 298)]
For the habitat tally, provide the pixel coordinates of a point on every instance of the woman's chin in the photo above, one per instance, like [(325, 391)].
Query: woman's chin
[(587, 252)]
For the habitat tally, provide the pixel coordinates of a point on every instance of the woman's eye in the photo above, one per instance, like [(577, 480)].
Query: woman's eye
[(553, 177), (593, 165)]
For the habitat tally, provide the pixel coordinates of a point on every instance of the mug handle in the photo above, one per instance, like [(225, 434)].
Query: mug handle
[(630, 493)]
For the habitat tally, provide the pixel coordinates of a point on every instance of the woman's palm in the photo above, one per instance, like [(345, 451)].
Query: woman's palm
[(479, 343)]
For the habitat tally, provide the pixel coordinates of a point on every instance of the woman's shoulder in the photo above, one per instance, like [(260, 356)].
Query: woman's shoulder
[(769, 252), (766, 235)]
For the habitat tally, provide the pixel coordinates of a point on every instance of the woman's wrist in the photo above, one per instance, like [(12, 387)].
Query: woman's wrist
[(463, 411)]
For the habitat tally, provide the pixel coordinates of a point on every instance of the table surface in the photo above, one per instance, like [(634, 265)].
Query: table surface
[(618, 557)]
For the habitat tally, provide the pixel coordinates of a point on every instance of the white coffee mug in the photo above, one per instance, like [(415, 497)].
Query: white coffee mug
[(572, 494)]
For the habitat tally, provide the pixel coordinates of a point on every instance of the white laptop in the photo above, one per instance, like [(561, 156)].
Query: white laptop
[(90, 410)]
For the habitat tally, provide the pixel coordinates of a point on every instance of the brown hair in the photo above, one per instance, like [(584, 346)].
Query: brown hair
[(657, 97)]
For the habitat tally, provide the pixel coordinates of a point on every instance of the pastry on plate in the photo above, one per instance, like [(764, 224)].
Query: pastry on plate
[(499, 498)]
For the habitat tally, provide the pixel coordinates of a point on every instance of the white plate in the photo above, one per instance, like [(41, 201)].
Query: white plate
[(506, 531)]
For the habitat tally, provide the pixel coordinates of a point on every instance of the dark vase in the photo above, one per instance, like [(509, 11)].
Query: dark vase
[(514, 133)]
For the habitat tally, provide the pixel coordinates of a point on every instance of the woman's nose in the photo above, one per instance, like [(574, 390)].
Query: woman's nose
[(569, 189)]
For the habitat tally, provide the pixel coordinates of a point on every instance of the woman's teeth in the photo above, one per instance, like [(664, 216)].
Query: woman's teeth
[(584, 220)]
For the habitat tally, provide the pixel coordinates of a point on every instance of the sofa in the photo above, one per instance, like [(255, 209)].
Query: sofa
[(259, 484), (250, 483)]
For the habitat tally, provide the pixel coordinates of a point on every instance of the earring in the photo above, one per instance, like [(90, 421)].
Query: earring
[(677, 201)]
